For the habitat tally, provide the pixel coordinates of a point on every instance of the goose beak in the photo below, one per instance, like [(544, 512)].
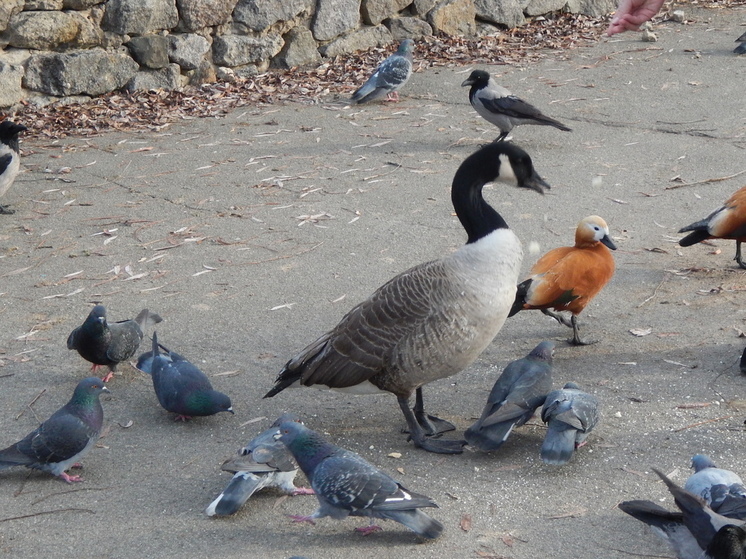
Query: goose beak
[(608, 242), (535, 182)]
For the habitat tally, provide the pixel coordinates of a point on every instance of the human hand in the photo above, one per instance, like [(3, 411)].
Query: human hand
[(631, 14)]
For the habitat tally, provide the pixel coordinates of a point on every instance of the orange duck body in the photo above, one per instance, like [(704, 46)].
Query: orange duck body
[(727, 222), (567, 278)]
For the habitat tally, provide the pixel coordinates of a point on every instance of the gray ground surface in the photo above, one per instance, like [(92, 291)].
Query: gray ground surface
[(255, 233)]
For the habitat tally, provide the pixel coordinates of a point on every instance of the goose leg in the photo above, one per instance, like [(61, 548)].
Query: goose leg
[(558, 317), (431, 424), (421, 440), (741, 263), (502, 136), (576, 340)]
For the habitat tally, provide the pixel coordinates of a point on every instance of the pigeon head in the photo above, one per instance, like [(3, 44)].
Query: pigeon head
[(97, 316), (544, 351), (208, 402), (307, 446), (571, 386), (478, 78), (88, 391), (700, 462), (405, 47)]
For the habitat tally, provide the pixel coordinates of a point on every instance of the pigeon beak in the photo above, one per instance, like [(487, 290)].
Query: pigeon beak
[(104, 389), (231, 410)]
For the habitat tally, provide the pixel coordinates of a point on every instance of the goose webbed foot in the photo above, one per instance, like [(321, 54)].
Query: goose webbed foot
[(421, 440), (431, 424), (576, 339)]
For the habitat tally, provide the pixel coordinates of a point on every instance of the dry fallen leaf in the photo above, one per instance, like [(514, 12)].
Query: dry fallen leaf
[(465, 523), (639, 332)]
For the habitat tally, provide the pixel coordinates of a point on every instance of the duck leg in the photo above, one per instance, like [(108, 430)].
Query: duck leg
[(432, 425), (558, 317), (420, 439), (741, 263), (576, 340)]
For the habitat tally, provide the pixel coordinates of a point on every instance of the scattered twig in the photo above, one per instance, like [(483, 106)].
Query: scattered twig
[(655, 291), (716, 179), (43, 390), (702, 423), (45, 512)]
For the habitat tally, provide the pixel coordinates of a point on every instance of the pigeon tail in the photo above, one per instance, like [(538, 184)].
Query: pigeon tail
[(147, 318), (558, 446), (242, 486), (489, 438), (417, 521)]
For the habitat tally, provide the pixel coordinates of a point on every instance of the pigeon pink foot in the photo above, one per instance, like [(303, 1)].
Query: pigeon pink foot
[(70, 479), (303, 491), (368, 530), (393, 96), (302, 518)]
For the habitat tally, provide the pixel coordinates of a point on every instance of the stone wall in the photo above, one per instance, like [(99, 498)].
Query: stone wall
[(55, 49)]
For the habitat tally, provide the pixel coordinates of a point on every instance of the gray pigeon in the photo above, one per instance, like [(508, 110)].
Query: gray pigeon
[(741, 48), (347, 485), (500, 107), (264, 462), (180, 386), (570, 415), (729, 543), (104, 343), (722, 490), (519, 390), (389, 77), (58, 443), (10, 159), (690, 530)]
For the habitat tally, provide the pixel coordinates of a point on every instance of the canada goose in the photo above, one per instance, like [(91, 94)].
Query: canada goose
[(433, 320), (389, 77), (10, 160), (567, 278), (727, 222), (500, 107)]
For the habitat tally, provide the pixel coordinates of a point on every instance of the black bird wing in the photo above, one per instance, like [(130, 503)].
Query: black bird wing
[(125, 339)]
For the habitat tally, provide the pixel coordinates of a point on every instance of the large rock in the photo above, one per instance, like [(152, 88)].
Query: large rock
[(139, 17), (42, 30), (299, 50), (238, 50), (594, 8), (258, 15), (11, 91), (48, 5), (9, 8), (335, 17), (408, 28), (165, 78), (454, 17), (540, 7), (375, 11), (204, 73), (150, 51), (92, 72), (198, 14), (188, 50), (89, 34), (421, 7), (503, 12), (362, 39)]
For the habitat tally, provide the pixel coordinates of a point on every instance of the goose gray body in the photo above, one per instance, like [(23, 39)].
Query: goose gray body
[(690, 530), (570, 415), (10, 159), (433, 320), (500, 107)]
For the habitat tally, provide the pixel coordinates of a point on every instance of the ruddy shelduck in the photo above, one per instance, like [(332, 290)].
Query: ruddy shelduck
[(727, 222), (567, 278)]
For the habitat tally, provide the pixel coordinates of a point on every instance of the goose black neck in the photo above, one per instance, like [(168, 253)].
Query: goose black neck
[(477, 217)]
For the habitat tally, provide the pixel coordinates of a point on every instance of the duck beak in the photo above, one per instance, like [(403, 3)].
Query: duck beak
[(608, 242)]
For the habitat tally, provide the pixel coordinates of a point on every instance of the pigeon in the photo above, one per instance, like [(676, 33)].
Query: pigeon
[(518, 392), (105, 343), (568, 278), (500, 107), (10, 160), (741, 48), (728, 543), (570, 415), (264, 462), (722, 490), (63, 439), (690, 530), (347, 485), (389, 77), (180, 386)]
